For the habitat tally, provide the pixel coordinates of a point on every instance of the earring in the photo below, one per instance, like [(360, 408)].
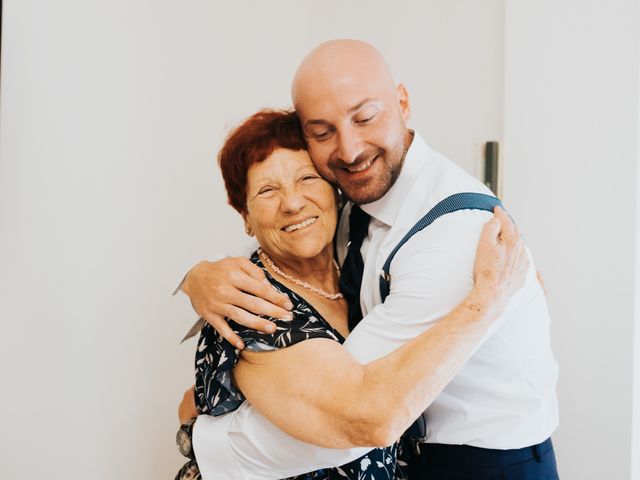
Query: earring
[(249, 232)]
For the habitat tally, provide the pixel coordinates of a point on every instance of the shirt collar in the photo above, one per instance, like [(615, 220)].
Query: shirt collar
[(386, 209)]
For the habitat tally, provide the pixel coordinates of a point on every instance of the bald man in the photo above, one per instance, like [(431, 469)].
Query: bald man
[(495, 419)]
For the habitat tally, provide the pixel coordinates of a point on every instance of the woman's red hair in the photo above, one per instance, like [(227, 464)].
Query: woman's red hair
[(252, 142)]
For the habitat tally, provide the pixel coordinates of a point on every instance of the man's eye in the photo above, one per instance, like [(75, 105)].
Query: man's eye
[(365, 120), (265, 190), (320, 133), (309, 178)]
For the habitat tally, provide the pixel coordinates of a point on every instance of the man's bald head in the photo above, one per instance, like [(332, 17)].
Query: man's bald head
[(339, 63), (353, 117)]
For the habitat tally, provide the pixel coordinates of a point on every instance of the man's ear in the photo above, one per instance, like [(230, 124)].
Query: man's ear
[(403, 102)]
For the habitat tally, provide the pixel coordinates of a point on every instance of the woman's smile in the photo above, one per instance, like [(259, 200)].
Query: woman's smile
[(291, 209), (300, 225)]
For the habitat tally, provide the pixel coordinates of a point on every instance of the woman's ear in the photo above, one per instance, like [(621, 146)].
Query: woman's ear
[(247, 225)]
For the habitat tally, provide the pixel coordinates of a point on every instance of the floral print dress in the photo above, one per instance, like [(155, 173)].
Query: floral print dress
[(216, 394)]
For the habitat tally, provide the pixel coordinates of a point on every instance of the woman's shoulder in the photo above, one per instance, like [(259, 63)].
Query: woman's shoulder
[(216, 357), (307, 322)]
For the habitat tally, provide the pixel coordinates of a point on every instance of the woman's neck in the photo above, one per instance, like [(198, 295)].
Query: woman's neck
[(319, 271)]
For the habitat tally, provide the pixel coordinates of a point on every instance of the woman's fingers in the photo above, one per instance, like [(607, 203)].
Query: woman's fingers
[(523, 263), (541, 281), (508, 230), (491, 231), (501, 259)]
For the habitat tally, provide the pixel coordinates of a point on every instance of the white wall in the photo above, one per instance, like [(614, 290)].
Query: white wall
[(635, 425), (571, 161), (111, 114)]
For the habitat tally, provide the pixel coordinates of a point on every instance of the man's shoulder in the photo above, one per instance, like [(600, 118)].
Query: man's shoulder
[(447, 237), (438, 179), (461, 229)]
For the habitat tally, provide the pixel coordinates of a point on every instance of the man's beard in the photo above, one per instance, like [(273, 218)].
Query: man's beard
[(381, 184)]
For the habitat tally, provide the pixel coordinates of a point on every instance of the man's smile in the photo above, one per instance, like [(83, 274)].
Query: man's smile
[(361, 166)]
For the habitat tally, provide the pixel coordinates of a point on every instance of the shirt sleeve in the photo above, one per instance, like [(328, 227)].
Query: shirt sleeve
[(243, 444)]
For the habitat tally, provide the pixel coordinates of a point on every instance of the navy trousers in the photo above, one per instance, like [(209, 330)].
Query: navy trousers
[(462, 462)]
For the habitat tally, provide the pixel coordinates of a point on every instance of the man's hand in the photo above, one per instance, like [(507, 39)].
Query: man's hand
[(237, 289), (187, 409)]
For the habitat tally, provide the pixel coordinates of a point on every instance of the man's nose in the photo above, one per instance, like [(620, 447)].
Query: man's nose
[(349, 146)]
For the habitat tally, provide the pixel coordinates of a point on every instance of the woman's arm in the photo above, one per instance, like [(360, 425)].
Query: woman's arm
[(317, 392)]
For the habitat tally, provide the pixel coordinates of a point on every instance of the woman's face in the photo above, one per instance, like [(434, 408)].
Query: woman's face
[(291, 209)]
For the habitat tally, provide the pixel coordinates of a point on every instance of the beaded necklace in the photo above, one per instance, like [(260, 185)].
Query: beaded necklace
[(297, 281)]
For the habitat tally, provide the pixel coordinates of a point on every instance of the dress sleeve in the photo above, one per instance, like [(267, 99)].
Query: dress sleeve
[(215, 357)]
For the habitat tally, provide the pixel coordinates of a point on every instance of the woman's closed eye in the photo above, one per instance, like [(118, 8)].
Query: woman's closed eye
[(266, 190), (309, 178)]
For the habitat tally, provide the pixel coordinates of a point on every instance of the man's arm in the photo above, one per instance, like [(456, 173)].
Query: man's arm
[(444, 350), (244, 445), (346, 403), (317, 392)]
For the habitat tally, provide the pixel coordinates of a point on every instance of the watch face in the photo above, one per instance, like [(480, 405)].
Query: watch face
[(184, 442)]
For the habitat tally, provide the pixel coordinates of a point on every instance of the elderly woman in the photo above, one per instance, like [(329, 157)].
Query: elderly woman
[(300, 377)]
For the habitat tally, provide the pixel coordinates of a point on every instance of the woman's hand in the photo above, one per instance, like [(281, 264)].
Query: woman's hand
[(187, 409), (541, 282), (237, 289), (501, 263)]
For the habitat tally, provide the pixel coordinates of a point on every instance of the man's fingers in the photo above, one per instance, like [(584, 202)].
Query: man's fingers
[(250, 320), (222, 327), (259, 306), (265, 290), (251, 268), (262, 298)]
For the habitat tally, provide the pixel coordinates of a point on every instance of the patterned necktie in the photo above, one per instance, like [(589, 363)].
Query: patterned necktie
[(353, 266)]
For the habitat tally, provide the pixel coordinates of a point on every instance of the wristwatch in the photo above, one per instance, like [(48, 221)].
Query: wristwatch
[(183, 439)]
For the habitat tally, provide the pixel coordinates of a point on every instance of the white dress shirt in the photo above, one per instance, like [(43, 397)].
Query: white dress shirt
[(503, 398)]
